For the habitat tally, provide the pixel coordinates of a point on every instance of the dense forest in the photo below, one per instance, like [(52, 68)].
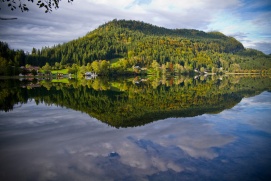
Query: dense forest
[(10, 60), (134, 102), (134, 43), (122, 45)]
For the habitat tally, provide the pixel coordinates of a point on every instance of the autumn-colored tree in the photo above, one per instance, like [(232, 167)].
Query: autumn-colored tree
[(47, 68), (96, 67)]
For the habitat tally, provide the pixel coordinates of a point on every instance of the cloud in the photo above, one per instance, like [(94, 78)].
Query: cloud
[(62, 144), (250, 18), (263, 46), (138, 2), (84, 146), (241, 36), (70, 21)]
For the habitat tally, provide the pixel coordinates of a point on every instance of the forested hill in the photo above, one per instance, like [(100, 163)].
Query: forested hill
[(191, 34), (143, 44), (150, 29)]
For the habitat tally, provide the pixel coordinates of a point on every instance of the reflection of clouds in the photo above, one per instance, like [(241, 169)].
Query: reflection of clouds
[(132, 155), (63, 144), (255, 111), (260, 107), (191, 135)]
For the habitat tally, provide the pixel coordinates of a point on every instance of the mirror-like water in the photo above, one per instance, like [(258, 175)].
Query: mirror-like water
[(143, 129)]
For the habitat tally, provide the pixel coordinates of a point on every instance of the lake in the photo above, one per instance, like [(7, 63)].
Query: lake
[(177, 128)]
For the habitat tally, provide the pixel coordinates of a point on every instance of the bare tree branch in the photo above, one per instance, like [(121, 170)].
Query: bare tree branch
[(8, 18), (48, 5)]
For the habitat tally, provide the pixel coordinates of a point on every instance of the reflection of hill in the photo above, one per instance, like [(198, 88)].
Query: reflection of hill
[(127, 104), (137, 118)]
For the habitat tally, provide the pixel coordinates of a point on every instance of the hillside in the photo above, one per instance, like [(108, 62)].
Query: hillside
[(132, 43), (132, 38)]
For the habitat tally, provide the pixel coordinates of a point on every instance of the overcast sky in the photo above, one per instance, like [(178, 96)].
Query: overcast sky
[(247, 20)]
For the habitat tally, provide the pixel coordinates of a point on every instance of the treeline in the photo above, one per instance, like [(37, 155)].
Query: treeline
[(10, 60), (141, 44)]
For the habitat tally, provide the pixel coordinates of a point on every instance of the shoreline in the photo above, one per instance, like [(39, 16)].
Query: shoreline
[(244, 73)]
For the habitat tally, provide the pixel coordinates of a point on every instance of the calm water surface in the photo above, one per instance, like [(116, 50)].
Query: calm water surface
[(49, 142)]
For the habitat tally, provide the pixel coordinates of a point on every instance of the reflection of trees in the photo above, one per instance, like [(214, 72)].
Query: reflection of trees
[(11, 93), (100, 84), (122, 103)]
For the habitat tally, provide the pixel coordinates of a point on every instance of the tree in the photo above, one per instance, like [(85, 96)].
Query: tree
[(177, 68), (48, 5), (88, 67), (96, 66), (123, 63), (34, 72), (47, 68), (104, 65), (234, 67), (202, 69), (155, 65), (34, 51), (24, 71), (57, 65), (74, 69), (82, 70)]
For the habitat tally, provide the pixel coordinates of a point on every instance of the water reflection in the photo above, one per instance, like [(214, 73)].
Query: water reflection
[(51, 143), (136, 101)]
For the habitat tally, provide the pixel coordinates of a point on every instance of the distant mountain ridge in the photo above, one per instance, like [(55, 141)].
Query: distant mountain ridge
[(192, 34), (150, 29)]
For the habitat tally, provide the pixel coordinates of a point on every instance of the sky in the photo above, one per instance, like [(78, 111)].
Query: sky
[(246, 20)]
